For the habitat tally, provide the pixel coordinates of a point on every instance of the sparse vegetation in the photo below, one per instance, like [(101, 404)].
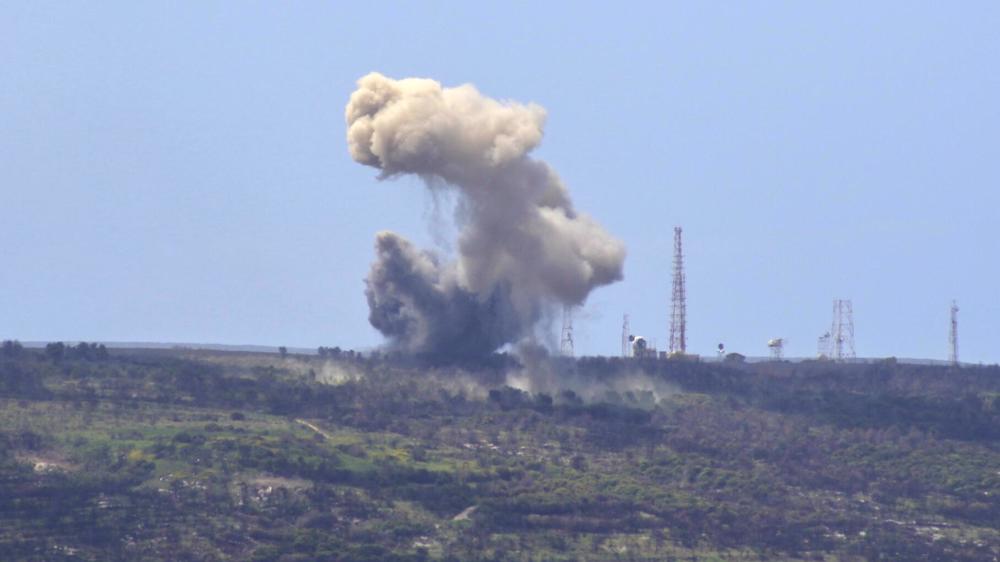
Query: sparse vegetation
[(187, 455)]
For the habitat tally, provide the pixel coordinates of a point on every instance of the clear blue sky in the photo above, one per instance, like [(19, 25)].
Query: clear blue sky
[(178, 171)]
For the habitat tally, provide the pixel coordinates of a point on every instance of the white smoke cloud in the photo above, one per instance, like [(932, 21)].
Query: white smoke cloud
[(522, 247)]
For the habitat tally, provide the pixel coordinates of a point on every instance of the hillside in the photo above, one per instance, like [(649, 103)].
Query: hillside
[(206, 455)]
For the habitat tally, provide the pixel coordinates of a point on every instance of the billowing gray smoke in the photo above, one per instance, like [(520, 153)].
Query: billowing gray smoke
[(522, 247)]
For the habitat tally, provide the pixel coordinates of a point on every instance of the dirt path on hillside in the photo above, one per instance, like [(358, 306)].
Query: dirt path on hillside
[(466, 513), (313, 427)]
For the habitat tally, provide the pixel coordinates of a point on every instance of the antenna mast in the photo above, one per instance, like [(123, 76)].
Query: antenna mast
[(566, 344), (842, 331), (678, 312), (953, 336), (777, 347), (625, 333), (823, 346)]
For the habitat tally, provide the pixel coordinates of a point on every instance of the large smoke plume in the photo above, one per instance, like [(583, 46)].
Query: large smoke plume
[(522, 247)]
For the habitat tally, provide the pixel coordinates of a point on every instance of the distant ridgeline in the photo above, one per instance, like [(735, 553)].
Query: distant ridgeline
[(337, 352)]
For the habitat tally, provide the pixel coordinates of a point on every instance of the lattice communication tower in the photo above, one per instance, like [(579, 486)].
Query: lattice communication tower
[(626, 345), (566, 342), (777, 348), (953, 335), (823, 346), (842, 331), (678, 310)]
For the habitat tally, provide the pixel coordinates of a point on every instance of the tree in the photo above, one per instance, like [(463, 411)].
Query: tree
[(12, 348), (283, 351), (81, 351), (55, 351)]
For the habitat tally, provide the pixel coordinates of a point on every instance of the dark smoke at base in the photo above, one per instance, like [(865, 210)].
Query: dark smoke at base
[(523, 250), (414, 302)]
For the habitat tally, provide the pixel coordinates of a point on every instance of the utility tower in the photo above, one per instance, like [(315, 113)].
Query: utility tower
[(566, 342), (953, 336), (842, 331), (777, 347), (823, 346), (678, 311), (626, 346)]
